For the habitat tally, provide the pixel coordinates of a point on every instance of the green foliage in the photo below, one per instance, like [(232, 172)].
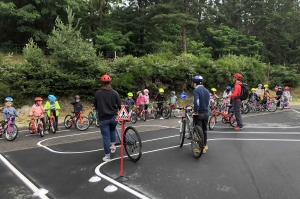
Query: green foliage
[(281, 75)]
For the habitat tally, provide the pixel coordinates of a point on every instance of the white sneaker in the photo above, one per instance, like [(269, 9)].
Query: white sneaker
[(161, 118), (113, 150), (46, 132), (106, 159)]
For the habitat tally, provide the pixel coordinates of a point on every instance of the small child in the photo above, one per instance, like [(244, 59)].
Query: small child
[(52, 105), (9, 111), (160, 99), (286, 95), (264, 96), (129, 102), (173, 99), (78, 107), (279, 95), (37, 110), (226, 100), (253, 97), (213, 97), (140, 101), (259, 90), (146, 95)]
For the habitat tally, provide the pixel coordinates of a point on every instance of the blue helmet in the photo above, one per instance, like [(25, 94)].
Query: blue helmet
[(9, 99), (228, 88), (197, 78), (51, 97), (279, 87)]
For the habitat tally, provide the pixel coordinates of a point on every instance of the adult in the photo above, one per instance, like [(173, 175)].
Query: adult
[(107, 102), (259, 90), (201, 103), (236, 100)]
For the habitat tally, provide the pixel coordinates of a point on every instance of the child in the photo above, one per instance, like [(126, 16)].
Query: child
[(213, 97), (129, 102), (53, 106), (226, 100), (146, 95), (173, 99), (37, 110), (160, 99), (279, 95), (78, 107), (140, 101), (286, 95), (9, 111), (264, 97), (253, 97), (259, 90)]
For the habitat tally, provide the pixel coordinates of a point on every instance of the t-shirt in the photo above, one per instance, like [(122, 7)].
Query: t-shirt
[(173, 99)]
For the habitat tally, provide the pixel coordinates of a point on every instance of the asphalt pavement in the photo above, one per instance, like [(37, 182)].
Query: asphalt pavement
[(261, 161)]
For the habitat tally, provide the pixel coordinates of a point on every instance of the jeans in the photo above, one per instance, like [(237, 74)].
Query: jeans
[(108, 131), (201, 120), (237, 113)]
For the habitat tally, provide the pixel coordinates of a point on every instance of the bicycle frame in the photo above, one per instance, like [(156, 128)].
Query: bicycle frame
[(35, 123)]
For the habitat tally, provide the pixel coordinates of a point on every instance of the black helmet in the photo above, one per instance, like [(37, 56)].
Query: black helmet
[(77, 97)]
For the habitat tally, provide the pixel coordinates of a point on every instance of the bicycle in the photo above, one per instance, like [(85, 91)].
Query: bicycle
[(136, 113), (195, 133), (284, 103), (132, 143), (9, 128), (270, 105), (163, 110), (226, 118), (36, 126), (93, 117), (254, 106), (174, 111), (82, 123), (50, 122)]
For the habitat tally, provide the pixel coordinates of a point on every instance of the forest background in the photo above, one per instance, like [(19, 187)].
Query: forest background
[(63, 46)]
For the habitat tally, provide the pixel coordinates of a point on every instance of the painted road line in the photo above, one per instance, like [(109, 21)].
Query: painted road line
[(296, 111), (263, 127), (254, 132), (29, 184)]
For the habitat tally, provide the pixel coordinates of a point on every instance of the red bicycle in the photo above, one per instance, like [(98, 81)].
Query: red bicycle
[(226, 118), (136, 113), (36, 126)]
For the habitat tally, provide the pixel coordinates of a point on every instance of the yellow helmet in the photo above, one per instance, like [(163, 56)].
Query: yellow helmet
[(253, 89), (266, 85), (161, 90), (214, 89), (130, 94)]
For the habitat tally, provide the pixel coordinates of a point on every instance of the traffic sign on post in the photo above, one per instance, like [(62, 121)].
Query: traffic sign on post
[(183, 95), (123, 114)]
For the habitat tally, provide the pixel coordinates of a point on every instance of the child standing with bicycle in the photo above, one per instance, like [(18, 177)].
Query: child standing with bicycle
[(226, 100), (146, 95), (9, 111), (129, 102), (52, 106), (286, 96), (173, 99), (37, 110), (160, 99), (140, 101), (78, 106)]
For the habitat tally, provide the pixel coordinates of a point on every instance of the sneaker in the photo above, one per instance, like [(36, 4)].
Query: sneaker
[(237, 128), (206, 147), (161, 118), (113, 150), (57, 129), (46, 132), (204, 151), (106, 159)]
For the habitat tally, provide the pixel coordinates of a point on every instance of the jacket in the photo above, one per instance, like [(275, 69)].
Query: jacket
[(237, 90), (37, 111), (48, 108)]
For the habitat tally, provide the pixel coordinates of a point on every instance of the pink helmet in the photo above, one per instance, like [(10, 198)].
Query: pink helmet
[(146, 91)]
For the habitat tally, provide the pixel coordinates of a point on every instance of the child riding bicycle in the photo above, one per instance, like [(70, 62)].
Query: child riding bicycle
[(146, 95), (140, 101), (160, 99), (129, 102), (9, 111), (173, 99), (37, 110), (286, 96), (52, 106), (78, 106)]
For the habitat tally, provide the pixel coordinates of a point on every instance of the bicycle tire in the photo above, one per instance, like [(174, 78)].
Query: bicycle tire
[(68, 121), (189, 109), (232, 120), (133, 118), (47, 122), (132, 144), (30, 128), (281, 105), (9, 134), (182, 132), (177, 112), (53, 126), (85, 125), (40, 130), (165, 113), (272, 108), (90, 116), (197, 142), (212, 122)]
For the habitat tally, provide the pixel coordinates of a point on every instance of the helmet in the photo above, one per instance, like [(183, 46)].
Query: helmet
[(253, 89), (130, 94), (286, 88), (279, 87), (51, 97), (228, 88), (146, 91), (105, 78), (197, 78), (172, 92), (9, 99), (213, 89), (266, 85), (260, 85), (138, 92), (38, 99), (77, 97), (161, 90), (238, 76)]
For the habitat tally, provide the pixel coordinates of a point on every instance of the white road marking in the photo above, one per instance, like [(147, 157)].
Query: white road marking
[(296, 111), (29, 184)]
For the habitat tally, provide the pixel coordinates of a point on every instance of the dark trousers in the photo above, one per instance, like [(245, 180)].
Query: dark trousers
[(201, 120), (237, 113), (56, 118)]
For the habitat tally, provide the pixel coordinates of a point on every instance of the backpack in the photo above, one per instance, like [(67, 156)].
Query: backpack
[(245, 92)]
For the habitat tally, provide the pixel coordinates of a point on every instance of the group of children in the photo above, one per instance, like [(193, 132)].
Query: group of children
[(142, 100)]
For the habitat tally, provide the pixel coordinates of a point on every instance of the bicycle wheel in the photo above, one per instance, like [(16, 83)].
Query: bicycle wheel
[(177, 112), (132, 143), (182, 132), (12, 132), (52, 128), (232, 120), (40, 130), (90, 116), (30, 128), (272, 107), (281, 105), (133, 118), (84, 125), (189, 109), (144, 117), (165, 113), (245, 108), (47, 123), (197, 142), (212, 122), (68, 121)]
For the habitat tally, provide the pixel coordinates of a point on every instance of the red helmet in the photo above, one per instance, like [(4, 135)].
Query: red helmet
[(238, 76), (38, 99), (286, 88), (105, 78)]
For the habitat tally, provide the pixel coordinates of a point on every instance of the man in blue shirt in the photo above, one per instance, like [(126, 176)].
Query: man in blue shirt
[(201, 103)]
